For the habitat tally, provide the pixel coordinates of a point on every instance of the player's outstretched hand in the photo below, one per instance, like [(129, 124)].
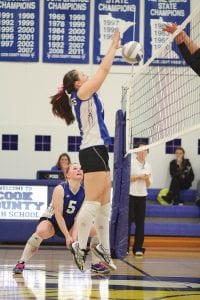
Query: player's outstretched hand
[(116, 40), (171, 28)]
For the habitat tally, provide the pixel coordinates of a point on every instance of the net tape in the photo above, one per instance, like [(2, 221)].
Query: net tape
[(163, 102)]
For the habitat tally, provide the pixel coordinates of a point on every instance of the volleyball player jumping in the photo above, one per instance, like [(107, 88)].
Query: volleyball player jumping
[(79, 91)]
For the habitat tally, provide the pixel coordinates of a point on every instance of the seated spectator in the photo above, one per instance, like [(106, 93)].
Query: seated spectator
[(62, 163), (197, 200), (182, 176)]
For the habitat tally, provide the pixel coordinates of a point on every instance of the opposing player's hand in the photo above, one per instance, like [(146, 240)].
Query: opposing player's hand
[(171, 28)]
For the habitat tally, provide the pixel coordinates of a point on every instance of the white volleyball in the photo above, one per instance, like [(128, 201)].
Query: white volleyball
[(132, 52)]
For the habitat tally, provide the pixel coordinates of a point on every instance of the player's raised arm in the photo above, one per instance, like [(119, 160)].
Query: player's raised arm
[(188, 48), (92, 85), (182, 37)]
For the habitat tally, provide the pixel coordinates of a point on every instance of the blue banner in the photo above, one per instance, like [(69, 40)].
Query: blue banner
[(110, 15), (66, 31), (19, 30), (157, 14)]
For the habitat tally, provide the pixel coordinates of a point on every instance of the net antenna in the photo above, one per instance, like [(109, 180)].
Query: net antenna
[(163, 102)]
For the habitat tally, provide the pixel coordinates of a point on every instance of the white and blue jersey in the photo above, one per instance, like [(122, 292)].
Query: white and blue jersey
[(71, 205), (90, 117)]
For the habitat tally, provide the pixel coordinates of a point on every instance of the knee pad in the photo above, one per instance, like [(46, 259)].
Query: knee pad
[(88, 212), (102, 219), (105, 210), (91, 207), (35, 240)]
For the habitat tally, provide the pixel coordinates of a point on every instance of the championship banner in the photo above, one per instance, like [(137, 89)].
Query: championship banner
[(110, 15), (66, 31), (157, 14), (22, 202), (19, 30)]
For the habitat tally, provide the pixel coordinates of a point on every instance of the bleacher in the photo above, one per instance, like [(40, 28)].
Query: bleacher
[(172, 220)]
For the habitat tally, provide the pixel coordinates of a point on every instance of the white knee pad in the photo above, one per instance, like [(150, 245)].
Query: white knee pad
[(92, 207), (105, 210), (35, 240), (88, 212), (102, 225), (103, 216)]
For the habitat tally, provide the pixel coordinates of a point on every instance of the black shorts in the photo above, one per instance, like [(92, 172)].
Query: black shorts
[(94, 159), (58, 232)]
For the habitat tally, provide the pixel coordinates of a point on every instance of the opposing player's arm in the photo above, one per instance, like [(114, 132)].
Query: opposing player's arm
[(57, 201), (182, 37), (188, 48), (92, 85)]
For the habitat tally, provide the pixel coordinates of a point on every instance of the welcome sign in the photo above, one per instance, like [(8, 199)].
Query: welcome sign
[(22, 202)]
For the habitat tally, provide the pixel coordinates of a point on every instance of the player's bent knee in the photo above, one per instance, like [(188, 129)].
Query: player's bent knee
[(45, 230)]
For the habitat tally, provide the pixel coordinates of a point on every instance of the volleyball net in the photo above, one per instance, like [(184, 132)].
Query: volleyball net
[(159, 102), (162, 101)]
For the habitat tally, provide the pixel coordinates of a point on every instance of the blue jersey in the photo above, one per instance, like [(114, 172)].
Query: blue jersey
[(71, 205), (90, 117)]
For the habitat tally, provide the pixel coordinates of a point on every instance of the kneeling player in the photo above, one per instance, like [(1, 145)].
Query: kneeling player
[(59, 219)]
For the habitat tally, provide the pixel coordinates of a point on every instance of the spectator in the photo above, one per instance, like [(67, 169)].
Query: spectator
[(140, 180), (197, 200), (182, 176), (62, 164)]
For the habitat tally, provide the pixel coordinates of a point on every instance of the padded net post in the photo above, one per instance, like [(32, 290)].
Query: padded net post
[(121, 178)]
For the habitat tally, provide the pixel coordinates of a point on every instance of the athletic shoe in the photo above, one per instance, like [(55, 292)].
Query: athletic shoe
[(104, 255), (100, 268), (139, 253), (79, 256), (19, 268)]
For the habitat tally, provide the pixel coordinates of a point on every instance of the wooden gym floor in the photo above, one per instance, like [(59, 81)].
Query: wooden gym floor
[(168, 271)]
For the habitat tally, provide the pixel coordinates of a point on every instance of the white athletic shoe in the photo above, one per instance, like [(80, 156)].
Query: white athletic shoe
[(104, 255), (139, 253)]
